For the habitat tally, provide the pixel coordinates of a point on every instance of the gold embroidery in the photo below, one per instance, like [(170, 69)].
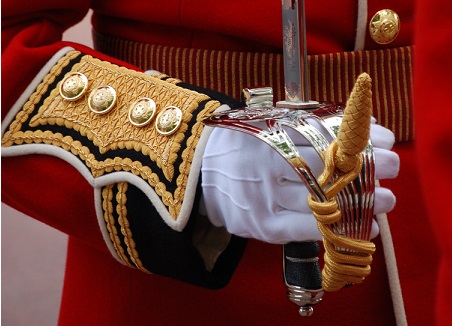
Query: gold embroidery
[(198, 55), (112, 131), (255, 67), (376, 88), (241, 79), (270, 65), (140, 53), (170, 62), (23, 115), (360, 56), (316, 73), (332, 81), (204, 64), (338, 78), (210, 68), (178, 50), (234, 68), (399, 107), (347, 86), (324, 91), (174, 81), (218, 67), (353, 64), (263, 69), (383, 79), (107, 194), (160, 61), (367, 54), (227, 69), (410, 82), (121, 199), (278, 72), (247, 68), (233, 73), (184, 63), (109, 132), (190, 60), (391, 92), (150, 56)]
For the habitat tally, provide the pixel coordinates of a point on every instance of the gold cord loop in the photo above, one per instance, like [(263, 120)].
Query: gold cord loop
[(340, 267), (347, 260)]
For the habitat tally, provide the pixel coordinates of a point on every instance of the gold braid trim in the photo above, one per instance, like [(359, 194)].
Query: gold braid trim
[(113, 131), (107, 194), (121, 209), (28, 108)]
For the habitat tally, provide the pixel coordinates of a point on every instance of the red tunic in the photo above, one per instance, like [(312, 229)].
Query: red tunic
[(97, 289), (434, 146)]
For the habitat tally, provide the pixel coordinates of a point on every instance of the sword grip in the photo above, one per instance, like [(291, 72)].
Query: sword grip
[(302, 274)]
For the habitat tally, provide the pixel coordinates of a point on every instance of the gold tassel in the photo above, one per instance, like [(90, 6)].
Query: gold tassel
[(344, 155), (354, 132)]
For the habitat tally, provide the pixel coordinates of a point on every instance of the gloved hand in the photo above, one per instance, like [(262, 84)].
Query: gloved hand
[(253, 192)]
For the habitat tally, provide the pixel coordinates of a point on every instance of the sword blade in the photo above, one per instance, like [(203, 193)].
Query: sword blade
[(296, 73)]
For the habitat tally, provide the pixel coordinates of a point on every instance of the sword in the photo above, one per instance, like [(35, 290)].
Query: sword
[(301, 270), (346, 249)]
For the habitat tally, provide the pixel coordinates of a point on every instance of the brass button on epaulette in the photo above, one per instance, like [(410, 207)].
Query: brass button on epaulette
[(102, 99), (384, 26), (73, 86), (169, 120), (142, 111)]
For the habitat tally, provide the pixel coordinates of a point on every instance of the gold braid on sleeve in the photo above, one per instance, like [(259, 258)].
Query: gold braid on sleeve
[(347, 260)]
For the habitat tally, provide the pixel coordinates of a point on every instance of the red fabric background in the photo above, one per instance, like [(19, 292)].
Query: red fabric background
[(100, 291), (238, 25), (433, 85)]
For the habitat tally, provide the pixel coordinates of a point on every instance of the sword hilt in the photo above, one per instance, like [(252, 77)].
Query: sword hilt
[(302, 274), (301, 270)]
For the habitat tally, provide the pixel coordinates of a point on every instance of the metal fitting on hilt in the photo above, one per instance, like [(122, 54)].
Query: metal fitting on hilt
[(302, 275), (257, 97)]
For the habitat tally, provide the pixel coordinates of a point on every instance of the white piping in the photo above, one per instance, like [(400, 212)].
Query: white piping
[(391, 268)]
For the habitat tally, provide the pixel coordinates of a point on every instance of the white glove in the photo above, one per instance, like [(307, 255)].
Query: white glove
[(253, 192)]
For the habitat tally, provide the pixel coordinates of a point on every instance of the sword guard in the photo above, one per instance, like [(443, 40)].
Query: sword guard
[(297, 105)]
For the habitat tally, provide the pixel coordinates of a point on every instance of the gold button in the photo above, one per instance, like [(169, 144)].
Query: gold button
[(384, 26), (142, 111), (169, 120), (102, 99), (73, 86)]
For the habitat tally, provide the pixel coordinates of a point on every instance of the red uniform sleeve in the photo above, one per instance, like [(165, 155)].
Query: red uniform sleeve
[(31, 35), (434, 137), (62, 171)]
